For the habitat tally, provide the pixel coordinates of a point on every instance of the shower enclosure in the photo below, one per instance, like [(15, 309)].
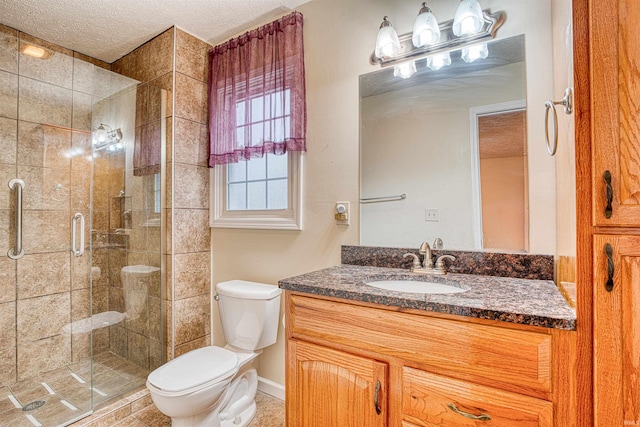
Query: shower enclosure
[(80, 276)]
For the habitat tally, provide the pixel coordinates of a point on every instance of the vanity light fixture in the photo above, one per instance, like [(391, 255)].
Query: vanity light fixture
[(426, 31), (471, 26), (468, 18), (105, 136), (471, 53), (405, 70), (387, 43), (435, 62)]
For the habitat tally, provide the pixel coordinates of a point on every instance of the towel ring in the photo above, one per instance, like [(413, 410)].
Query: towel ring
[(550, 105)]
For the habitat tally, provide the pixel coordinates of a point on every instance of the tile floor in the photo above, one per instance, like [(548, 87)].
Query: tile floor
[(137, 410), (270, 411), (66, 392)]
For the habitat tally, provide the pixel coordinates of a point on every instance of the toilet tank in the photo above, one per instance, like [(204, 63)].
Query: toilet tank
[(249, 313)]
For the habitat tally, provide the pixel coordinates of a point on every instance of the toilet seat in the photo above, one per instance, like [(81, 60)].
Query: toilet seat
[(194, 369)]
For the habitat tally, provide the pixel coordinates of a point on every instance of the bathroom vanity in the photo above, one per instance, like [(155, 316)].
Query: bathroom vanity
[(500, 352)]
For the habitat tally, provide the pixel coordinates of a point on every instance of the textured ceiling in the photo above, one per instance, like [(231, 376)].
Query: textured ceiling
[(109, 29)]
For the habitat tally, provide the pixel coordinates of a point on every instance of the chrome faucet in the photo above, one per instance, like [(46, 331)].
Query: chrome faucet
[(427, 266)]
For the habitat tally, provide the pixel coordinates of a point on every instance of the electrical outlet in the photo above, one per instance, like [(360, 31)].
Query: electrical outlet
[(431, 215), (342, 213)]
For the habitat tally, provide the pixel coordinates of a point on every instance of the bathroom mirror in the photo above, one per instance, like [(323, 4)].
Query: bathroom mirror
[(466, 147)]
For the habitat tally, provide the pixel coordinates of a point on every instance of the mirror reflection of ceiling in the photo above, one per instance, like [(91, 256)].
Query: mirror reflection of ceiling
[(450, 87)]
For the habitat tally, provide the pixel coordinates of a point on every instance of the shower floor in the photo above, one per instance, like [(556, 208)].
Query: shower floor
[(67, 391)]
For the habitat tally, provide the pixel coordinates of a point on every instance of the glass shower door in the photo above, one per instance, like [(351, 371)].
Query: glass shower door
[(45, 138), (80, 282), (47, 308)]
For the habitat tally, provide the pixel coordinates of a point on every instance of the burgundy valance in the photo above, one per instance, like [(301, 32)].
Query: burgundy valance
[(257, 93)]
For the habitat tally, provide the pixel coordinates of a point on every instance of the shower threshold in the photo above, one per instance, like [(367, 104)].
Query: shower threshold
[(67, 392)]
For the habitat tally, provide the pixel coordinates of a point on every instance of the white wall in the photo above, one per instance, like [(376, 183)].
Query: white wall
[(565, 158), (339, 37)]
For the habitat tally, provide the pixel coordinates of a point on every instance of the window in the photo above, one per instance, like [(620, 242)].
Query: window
[(258, 127), (260, 183), (262, 192), (256, 194)]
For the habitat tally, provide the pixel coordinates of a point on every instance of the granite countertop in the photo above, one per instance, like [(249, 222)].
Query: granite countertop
[(522, 301)]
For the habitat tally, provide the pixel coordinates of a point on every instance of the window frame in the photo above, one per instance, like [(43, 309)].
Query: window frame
[(264, 219)]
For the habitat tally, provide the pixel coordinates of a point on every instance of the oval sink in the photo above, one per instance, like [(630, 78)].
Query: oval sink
[(415, 287)]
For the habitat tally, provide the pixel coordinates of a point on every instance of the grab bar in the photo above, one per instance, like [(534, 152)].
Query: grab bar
[(17, 251), (567, 102), (384, 199), (74, 225)]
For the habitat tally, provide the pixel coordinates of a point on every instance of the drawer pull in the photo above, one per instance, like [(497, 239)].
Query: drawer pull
[(481, 417), (608, 250), (608, 210), (376, 397)]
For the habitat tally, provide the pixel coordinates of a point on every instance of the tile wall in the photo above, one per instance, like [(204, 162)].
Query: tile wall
[(191, 232), (177, 62), (140, 338)]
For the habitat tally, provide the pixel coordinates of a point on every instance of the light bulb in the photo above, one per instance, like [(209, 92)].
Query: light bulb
[(471, 53), (468, 18), (438, 61), (100, 135), (405, 70), (387, 42), (426, 31)]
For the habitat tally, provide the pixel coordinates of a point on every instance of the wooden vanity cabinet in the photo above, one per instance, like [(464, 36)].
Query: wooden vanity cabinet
[(432, 370), (616, 329), (611, 240)]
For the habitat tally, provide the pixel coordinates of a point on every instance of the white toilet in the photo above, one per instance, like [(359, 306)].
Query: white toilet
[(214, 386)]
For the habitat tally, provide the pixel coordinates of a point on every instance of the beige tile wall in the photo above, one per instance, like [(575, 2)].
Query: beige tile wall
[(176, 56), (191, 233), (141, 336)]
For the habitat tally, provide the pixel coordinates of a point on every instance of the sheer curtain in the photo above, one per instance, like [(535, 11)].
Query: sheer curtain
[(257, 93)]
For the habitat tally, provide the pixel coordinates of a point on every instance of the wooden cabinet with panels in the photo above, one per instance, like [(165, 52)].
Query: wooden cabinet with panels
[(432, 370), (334, 388), (433, 400), (616, 328), (610, 244), (615, 66)]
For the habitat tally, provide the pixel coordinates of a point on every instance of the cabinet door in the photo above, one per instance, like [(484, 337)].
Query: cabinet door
[(326, 388), (616, 330), (615, 61)]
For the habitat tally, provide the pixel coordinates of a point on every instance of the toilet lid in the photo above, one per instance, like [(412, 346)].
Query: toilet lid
[(194, 368)]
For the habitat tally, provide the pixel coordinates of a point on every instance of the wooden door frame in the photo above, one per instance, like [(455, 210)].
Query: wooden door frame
[(474, 148)]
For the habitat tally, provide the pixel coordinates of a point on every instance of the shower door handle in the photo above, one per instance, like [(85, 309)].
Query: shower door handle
[(17, 251), (77, 218)]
